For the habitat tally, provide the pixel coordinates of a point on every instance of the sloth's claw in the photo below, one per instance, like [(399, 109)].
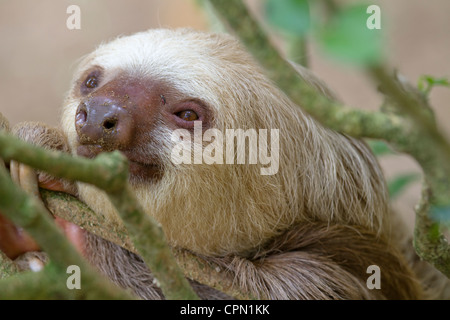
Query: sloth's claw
[(34, 261), (25, 177), (14, 241), (14, 171)]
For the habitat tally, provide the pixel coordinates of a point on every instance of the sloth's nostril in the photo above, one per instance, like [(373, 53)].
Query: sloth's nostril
[(81, 117), (109, 124)]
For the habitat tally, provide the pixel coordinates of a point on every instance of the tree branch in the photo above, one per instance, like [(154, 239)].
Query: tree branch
[(194, 267), (107, 171), (28, 213), (50, 283), (7, 267)]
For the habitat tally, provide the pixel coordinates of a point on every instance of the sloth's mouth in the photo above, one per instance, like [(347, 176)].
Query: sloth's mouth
[(139, 169)]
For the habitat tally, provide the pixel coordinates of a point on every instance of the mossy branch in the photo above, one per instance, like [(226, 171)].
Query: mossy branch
[(108, 172), (71, 209), (7, 267), (412, 131), (194, 267), (50, 284), (28, 213)]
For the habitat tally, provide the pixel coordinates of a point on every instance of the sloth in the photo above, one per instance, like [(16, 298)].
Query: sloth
[(310, 230)]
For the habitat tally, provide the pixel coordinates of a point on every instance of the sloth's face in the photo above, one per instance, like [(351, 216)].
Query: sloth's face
[(133, 115), (131, 94)]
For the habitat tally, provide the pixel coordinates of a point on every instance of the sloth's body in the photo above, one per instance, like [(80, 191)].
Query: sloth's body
[(310, 231)]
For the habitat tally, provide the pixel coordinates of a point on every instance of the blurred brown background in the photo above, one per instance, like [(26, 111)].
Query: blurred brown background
[(38, 54)]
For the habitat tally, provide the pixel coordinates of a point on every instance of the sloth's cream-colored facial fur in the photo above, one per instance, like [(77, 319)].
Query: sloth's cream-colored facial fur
[(161, 80)]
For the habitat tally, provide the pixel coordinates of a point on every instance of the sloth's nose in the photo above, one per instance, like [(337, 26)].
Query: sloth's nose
[(101, 121)]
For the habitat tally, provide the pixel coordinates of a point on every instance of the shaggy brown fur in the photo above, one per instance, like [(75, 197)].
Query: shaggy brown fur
[(308, 232), (317, 261)]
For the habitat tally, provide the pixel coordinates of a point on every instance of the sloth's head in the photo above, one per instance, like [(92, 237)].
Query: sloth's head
[(130, 94), (133, 93)]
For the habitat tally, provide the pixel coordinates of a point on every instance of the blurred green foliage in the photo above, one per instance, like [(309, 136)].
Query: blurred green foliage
[(379, 148), (291, 16), (344, 35), (427, 82), (441, 214), (399, 183)]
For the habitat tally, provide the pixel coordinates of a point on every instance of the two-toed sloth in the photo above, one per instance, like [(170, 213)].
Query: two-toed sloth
[(309, 231)]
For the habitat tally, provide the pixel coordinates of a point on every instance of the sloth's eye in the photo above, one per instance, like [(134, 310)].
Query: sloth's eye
[(91, 82), (187, 115)]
